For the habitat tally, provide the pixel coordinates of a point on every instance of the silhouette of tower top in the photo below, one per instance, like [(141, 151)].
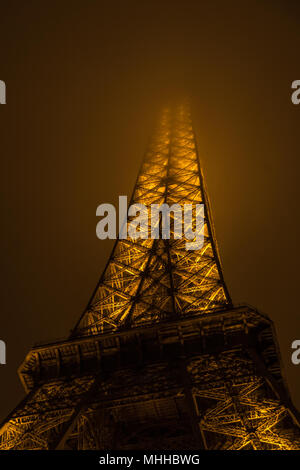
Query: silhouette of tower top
[(160, 359)]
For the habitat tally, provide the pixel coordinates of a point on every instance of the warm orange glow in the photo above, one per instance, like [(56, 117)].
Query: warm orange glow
[(169, 174)]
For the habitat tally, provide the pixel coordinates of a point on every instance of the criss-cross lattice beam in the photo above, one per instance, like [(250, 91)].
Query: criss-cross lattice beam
[(148, 280)]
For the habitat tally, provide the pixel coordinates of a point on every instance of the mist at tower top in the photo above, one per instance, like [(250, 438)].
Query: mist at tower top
[(149, 279)]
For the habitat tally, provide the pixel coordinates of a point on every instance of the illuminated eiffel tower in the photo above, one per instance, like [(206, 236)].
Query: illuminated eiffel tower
[(160, 359)]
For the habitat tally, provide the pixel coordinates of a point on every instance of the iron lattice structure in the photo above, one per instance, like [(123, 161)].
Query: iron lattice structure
[(160, 359)]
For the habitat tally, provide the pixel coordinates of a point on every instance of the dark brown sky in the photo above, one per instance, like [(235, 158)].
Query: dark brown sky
[(84, 81)]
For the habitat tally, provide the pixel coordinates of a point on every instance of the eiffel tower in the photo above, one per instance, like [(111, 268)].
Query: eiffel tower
[(160, 359)]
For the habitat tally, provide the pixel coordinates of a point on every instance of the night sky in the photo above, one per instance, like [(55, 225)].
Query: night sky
[(85, 81)]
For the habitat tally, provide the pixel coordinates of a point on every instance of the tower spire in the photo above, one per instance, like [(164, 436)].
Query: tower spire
[(152, 280)]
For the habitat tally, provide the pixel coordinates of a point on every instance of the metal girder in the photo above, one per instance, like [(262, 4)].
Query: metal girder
[(159, 359), (146, 280)]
